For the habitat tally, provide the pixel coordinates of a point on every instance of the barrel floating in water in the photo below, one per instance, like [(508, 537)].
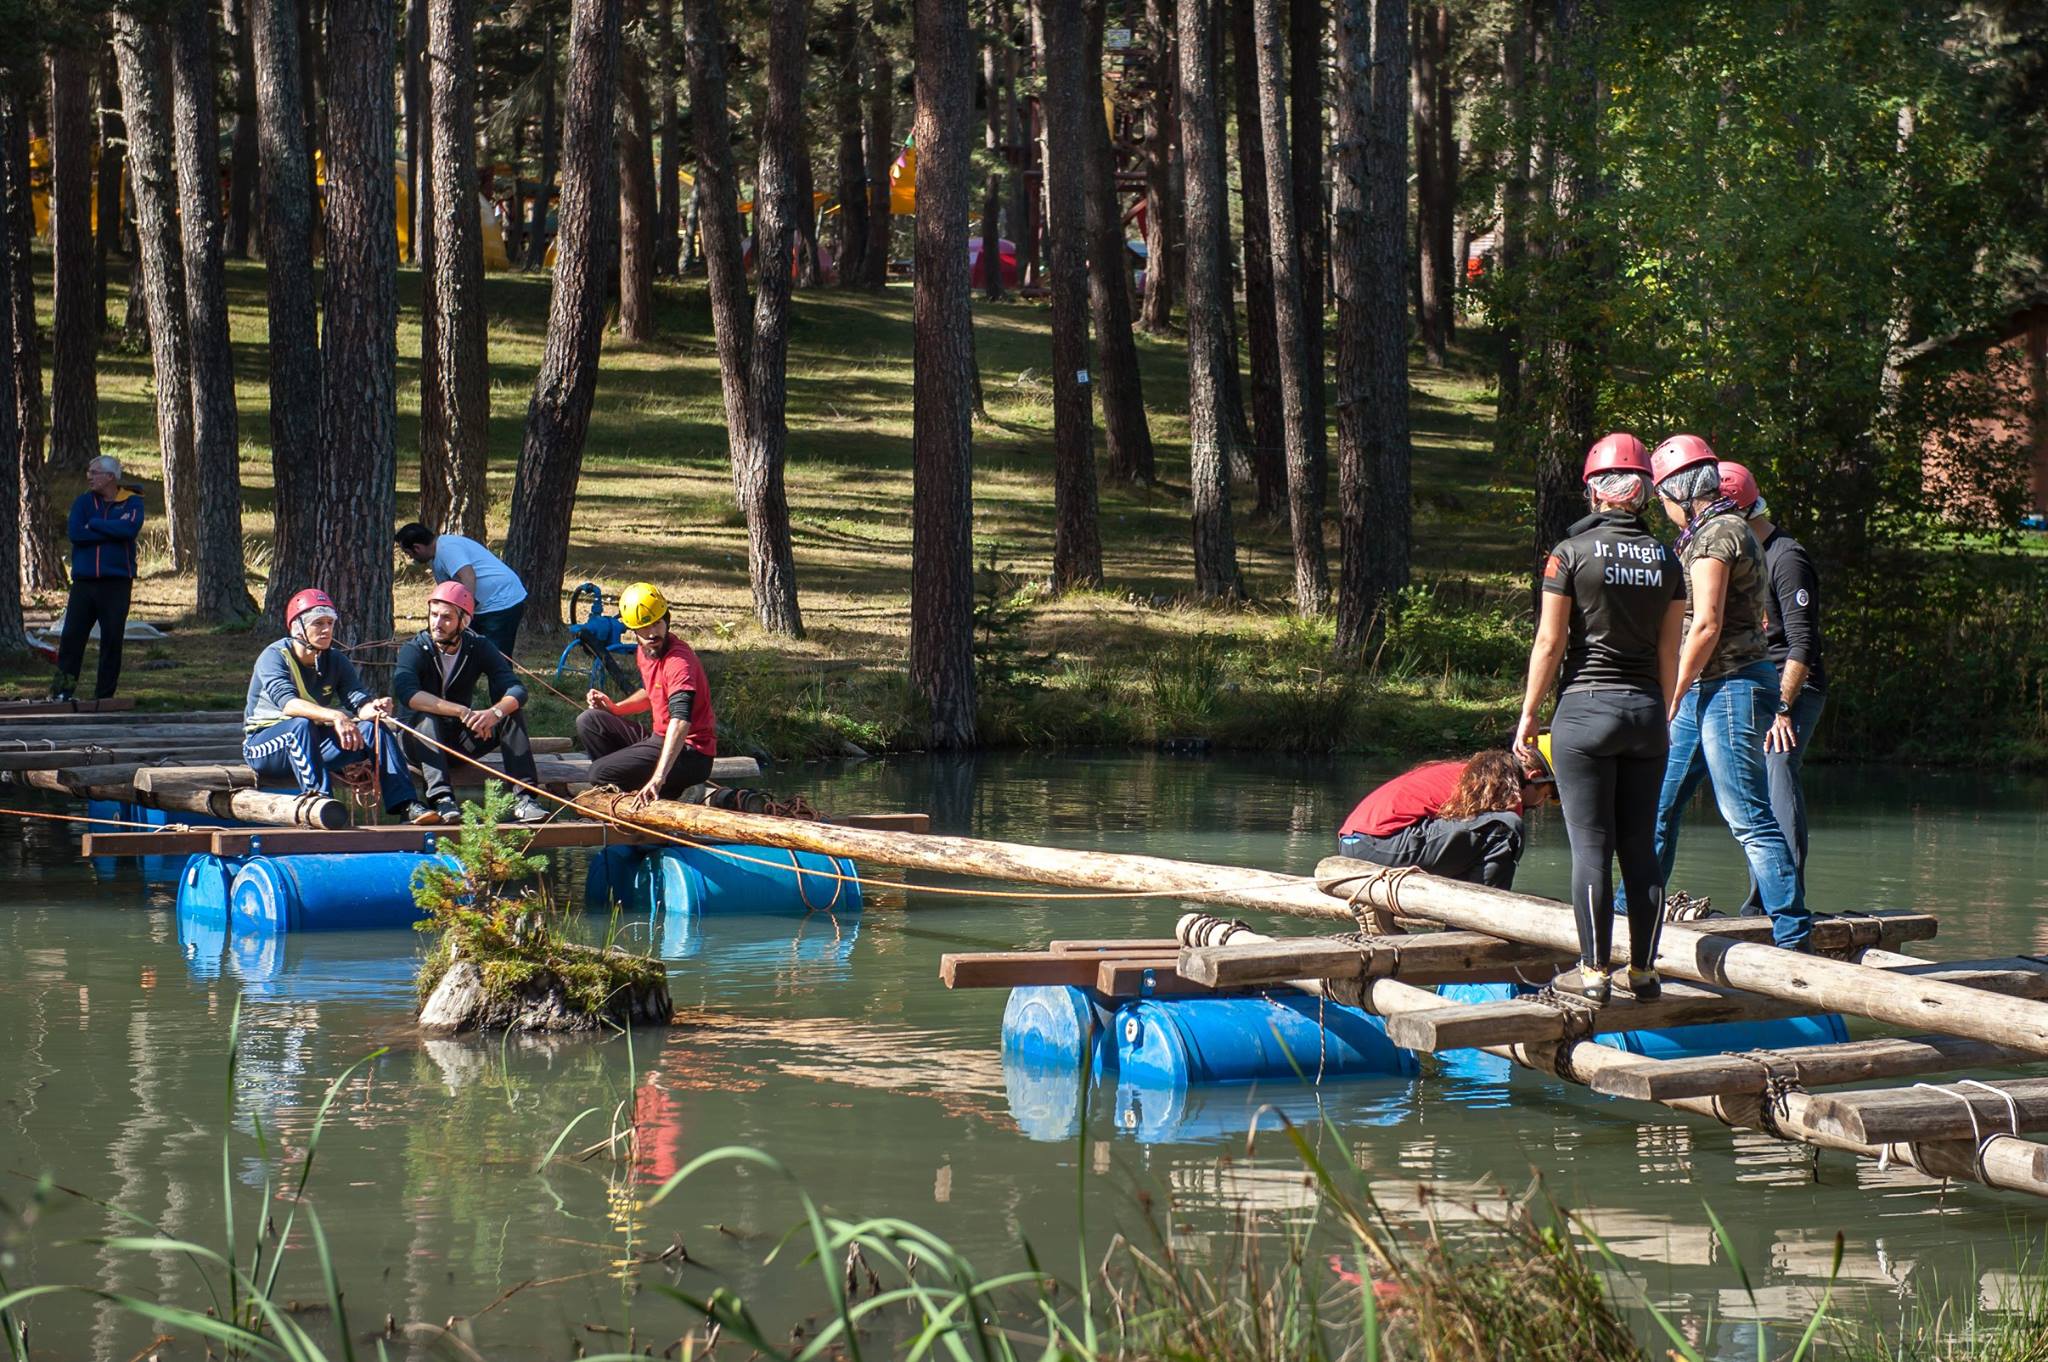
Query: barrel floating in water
[(1166, 1113), (1057, 1027), (204, 884), (608, 884), (1691, 1042), (742, 879), (1175, 1042), (360, 891)]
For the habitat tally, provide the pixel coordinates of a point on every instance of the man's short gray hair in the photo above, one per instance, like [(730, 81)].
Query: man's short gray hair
[(104, 463), (1688, 485), (1628, 491)]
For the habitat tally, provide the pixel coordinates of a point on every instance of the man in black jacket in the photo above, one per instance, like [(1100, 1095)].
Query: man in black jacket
[(436, 677), (1792, 634)]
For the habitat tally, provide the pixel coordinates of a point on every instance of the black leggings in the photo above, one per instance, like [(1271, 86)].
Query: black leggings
[(102, 601), (1607, 747)]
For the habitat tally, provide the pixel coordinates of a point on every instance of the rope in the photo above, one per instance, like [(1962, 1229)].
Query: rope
[(1377, 916), (1977, 1135), (98, 822), (1576, 1019), (677, 839)]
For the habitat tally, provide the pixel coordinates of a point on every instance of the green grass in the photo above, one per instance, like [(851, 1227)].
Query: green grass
[(1114, 666)]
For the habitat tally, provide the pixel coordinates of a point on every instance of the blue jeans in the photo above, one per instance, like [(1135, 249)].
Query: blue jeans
[(306, 753), (1719, 733), (1788, 797)]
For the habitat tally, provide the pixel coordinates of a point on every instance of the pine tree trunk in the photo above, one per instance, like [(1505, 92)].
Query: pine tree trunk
[(668, 213), (1565, 362), (1369, 254), (1016, 61), (113, 154), (1447, 261), (1208, 307), (636, 200), (242, 170), (852, 161), (550, 139), (881, 146), (74, 346), (294, 358), (1305, 473), (39, 559), (356, 490), (426, 221), (753, 346), (13, 243), (1505, 269), (806, 207), (994, 42), (1077, 544), (222, 594), (1162, 199), (1269, 441), (455, 491), (1030, 237), (1117, 380), (312, 89), (419, 146), (551, 459), (693, 222), (1307, 35), (942, 498), (1430, 204), (139, 53)]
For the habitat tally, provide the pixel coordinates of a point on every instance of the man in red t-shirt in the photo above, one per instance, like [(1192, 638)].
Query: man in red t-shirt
[(1458, 819), (674, 689)]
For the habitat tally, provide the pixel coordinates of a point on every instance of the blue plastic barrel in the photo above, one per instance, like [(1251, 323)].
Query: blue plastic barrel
[(1045, 1094), (363, 891), (1170, 1114), (204, 883), (745, 879), (608, 883), (1690, 1042), (1054, 1026), (1175, 1042), (202, 937)]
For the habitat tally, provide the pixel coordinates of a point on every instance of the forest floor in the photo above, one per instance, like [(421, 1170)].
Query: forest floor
[(1134, 663)]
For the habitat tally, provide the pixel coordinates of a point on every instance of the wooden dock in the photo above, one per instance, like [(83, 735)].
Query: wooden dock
[(1412, 931)]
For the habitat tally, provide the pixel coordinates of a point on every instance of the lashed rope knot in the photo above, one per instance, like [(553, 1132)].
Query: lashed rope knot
[(1375, 900), (1576, 1019)]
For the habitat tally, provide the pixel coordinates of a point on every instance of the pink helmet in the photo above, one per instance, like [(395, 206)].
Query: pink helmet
[(311, 599), (1738, 484), (456, 594), (1677, 454), (1620, 452)]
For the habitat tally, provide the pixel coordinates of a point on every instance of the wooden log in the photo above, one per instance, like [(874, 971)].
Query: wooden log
[(112, 704), (229, 792), (180, 779), (1820, 984), (1956, 1112), (52, 758), (1113, 872), (132, 718), (1810, 1066), (72, 735)]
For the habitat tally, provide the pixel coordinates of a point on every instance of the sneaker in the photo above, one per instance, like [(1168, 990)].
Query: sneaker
[(417, 814), (448, 810), (1643, 985), (1594, 985), (527, 809)]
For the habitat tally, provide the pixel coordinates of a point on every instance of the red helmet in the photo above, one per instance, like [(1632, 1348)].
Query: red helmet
[(1738, 484), (1677, 454), (1620, 452), (455, 594), (312, 598)]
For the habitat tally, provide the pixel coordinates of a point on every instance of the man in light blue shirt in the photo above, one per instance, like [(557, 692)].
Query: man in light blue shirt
[(500, 595)]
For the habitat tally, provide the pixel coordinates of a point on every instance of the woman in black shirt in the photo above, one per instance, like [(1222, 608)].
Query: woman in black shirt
[(1613, 611)]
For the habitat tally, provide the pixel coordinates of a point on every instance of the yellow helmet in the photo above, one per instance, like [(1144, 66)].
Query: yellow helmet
[(1546, 771), (641, 605)]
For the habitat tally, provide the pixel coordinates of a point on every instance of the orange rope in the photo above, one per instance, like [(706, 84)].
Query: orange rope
[(835, 874), (100, 822)]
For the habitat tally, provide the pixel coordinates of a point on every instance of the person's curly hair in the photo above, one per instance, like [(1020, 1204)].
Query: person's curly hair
[(1492, 783)]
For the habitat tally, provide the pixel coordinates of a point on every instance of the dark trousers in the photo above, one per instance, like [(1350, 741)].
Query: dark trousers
[(625, 754), (1783, 773), (500, 627), (509, 737), (1608, 748), (1481, 850), (307, 754), (102, 601)]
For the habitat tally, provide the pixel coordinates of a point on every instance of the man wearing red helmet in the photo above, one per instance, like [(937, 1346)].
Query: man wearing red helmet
[(1792, 633), (309, 715), (1727, 698), (436, 677)]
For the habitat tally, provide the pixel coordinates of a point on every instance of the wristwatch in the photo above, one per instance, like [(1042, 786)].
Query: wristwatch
[(1784, 705)]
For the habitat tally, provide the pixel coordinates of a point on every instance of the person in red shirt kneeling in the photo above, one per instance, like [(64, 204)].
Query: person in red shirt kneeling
[(1458, 819), (674, 690)]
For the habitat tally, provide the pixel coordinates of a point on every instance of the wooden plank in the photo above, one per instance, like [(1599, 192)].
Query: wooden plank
[(1153, 945), (1811, 1066), (1917, 1113), (111, 705), (119, 717), (51, 758), (1018, 969), (154, 843), (1137, 977)]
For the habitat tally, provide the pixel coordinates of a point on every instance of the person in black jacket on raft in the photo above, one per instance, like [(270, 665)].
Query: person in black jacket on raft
[(1792, 634), (1613, 612), (436, 677)]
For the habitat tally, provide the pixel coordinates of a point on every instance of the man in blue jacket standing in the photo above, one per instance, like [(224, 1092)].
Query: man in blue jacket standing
[(103, 527)]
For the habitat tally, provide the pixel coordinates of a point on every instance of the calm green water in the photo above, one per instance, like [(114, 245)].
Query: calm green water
[(833, 1046)]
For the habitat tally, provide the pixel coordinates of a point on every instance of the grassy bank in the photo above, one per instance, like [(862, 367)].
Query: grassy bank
[(1133, 663)]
